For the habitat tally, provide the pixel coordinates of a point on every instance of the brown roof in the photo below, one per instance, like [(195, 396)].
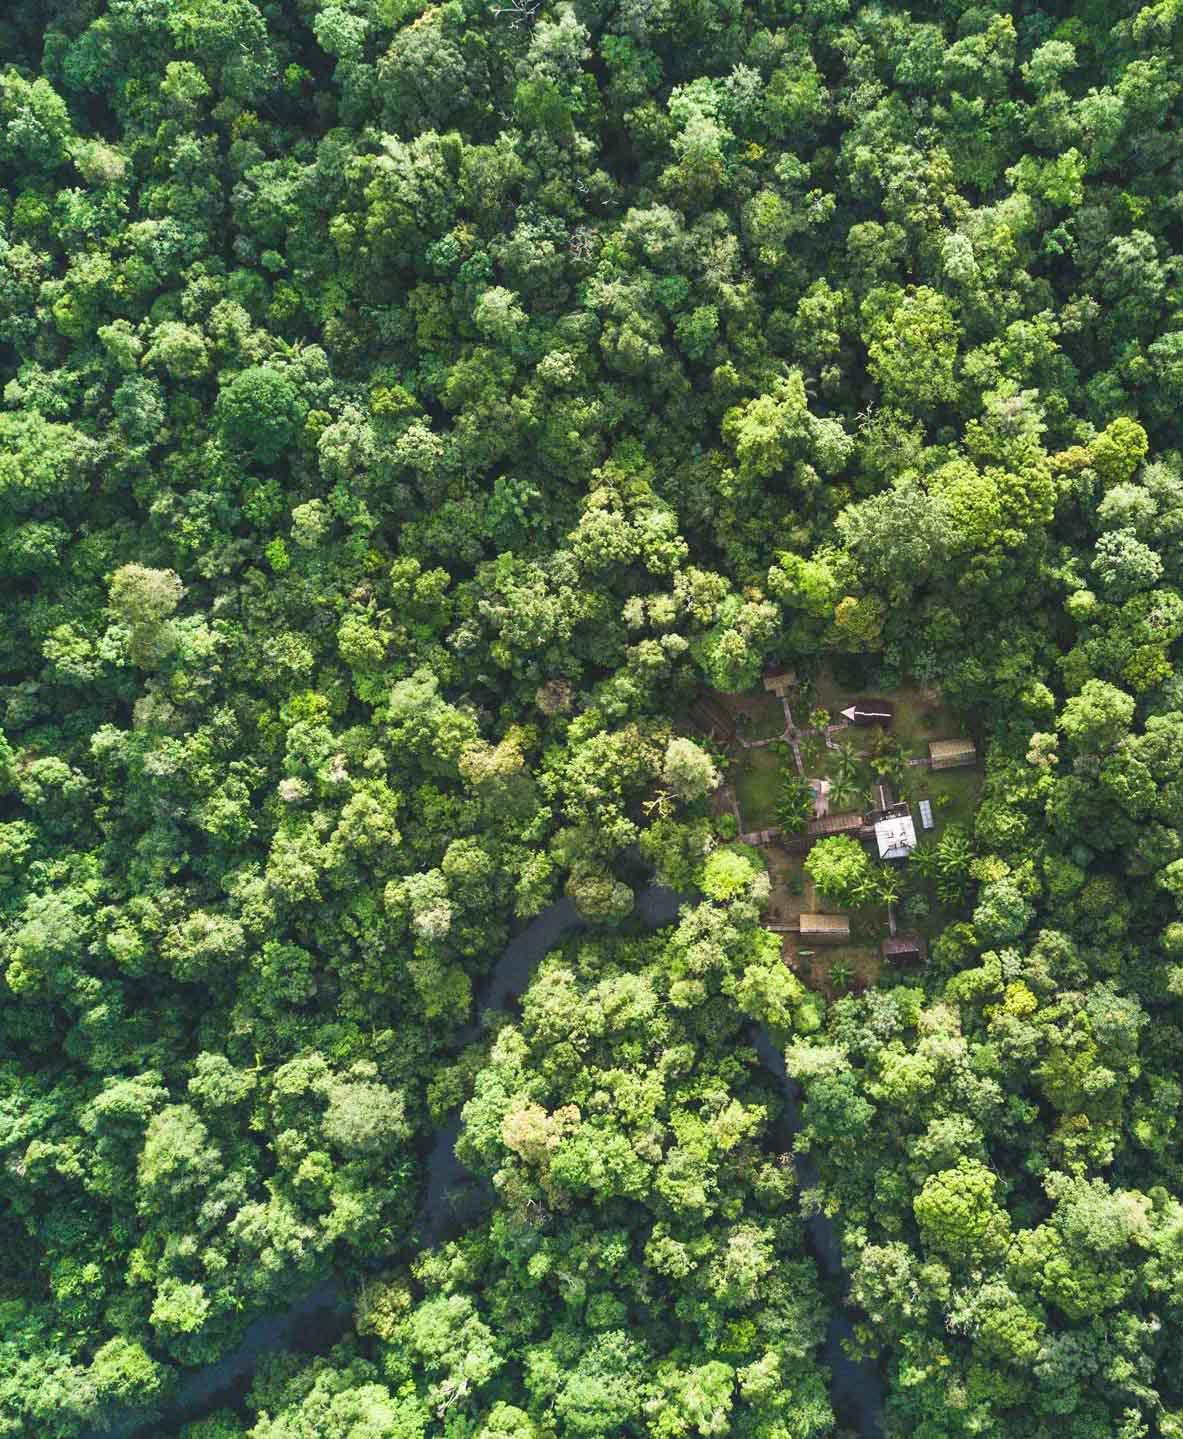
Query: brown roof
[(835, 824), (825, 924), (947, 748), (902, 948)]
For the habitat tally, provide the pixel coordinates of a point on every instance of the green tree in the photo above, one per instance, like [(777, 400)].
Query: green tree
[(841, 870), (260, 411), (795, 802)]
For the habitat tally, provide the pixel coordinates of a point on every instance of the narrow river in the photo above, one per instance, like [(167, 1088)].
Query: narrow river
[(317, 1320)]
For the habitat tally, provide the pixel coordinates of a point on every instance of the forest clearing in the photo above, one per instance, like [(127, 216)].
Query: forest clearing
[(591, 719)]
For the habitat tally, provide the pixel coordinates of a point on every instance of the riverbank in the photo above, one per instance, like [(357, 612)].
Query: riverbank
[(316, 1321)]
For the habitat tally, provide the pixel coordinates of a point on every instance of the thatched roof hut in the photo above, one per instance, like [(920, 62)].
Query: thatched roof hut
[(825, 928), (834, 824), (949, 753)]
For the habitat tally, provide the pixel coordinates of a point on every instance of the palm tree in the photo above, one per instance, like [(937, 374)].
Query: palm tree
[(954, 851), (841, 974), (847, 794), (865, 892), (925, 859), (887, 758), (954, 854), (794, 807), (848, 774), (889, 885)]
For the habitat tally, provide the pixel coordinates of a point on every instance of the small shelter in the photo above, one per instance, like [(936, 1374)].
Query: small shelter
[(896, 836), (950, 753), (834, 824), (905, 950), (779, 682), (825, 928), (864, 712)]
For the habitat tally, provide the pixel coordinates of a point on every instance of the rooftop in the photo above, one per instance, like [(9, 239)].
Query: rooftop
[(896, 837), (946, 748), (778, 681), (903, 949), (846, 823), (825, 923)]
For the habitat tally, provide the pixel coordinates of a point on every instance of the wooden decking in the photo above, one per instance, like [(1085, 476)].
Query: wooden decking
[(849, 823)]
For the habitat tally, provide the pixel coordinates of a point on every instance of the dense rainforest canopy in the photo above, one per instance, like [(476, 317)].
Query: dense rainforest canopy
[(408, 411)]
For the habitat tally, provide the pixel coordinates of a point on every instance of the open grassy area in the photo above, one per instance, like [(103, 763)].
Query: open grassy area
[(921, 716), (954, 794), (920, 713), (830, 695), (755, 777)]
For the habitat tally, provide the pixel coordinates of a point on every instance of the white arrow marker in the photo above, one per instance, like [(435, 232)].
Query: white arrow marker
[(849, 714)]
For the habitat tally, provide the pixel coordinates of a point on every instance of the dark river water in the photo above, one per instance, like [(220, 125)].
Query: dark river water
[(317, 1320)]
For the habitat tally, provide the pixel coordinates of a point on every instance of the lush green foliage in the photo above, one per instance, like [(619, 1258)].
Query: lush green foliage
[(406, 412)]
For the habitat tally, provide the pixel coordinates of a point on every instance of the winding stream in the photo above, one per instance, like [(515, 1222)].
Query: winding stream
[(317, 1320)]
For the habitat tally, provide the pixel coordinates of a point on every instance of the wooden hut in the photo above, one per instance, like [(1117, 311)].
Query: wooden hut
[(825, 928), (850, 823), (950, 753), (779, 682), (905, 950)]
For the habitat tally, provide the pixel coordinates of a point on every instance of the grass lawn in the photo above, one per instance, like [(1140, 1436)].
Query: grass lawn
[(920, 713), (815, 757), (755, 777), (829, 695), (963, 788), (920, 716)]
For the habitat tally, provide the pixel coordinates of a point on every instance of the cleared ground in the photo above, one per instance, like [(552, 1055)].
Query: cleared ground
[(858, 966), (920, 713), (754, 776)]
